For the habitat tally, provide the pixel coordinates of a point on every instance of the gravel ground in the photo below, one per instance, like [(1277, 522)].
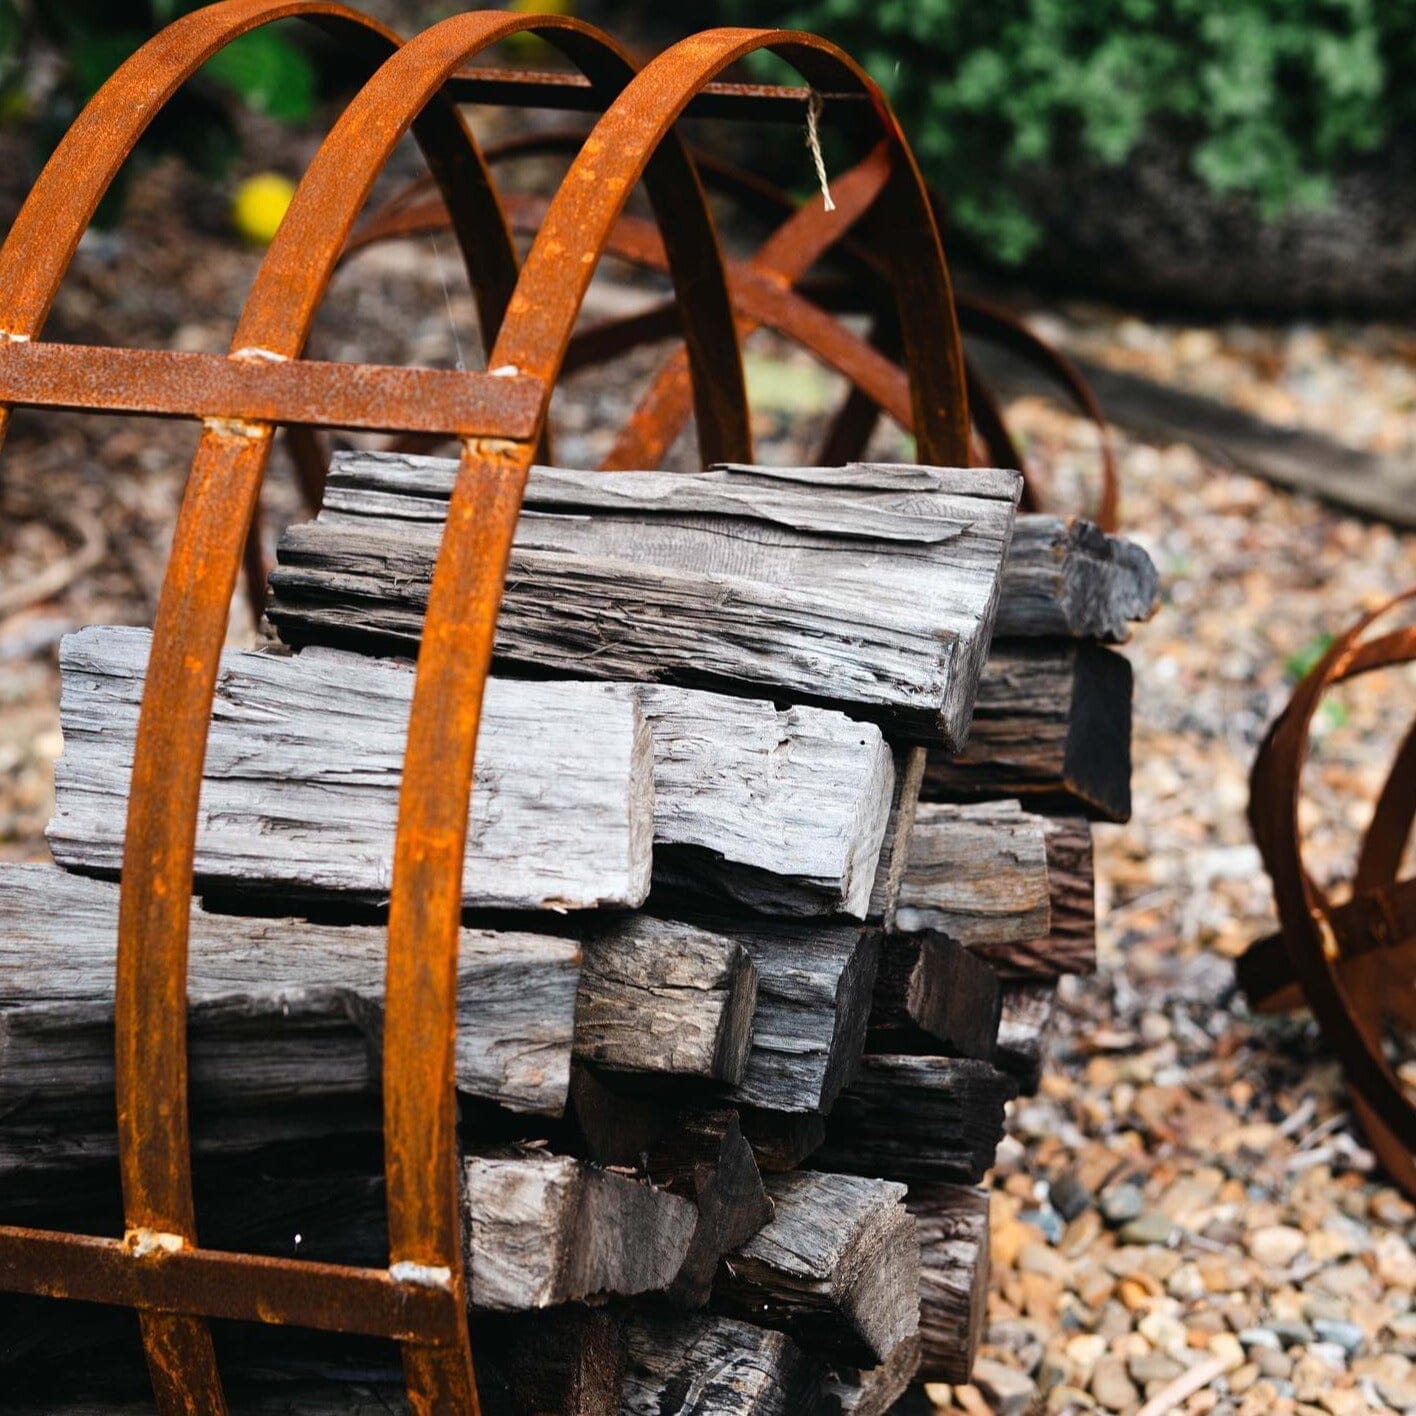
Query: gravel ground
[(1187, 1200)]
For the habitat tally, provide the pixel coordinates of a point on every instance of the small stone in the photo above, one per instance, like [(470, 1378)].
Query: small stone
[(1273, 1362), (1390, 1207), (1396, 1261), (1276, 1245), (1069, 1196), (1290, 1333), (1242, 1378), (1344, 1280), (1163, 1331), (1227, 1348), (1008, 1392), (1112, 1388), (1047, 1220), (1038, 1258), (1318, 1308), (1122, 1203), (1343, 1401), (1069, 1398), (1154, 1366), (1083, 1352), (1149, 1228), (1347, 1336), (1329, 1352), (1081, 1233), (1260, 1337)]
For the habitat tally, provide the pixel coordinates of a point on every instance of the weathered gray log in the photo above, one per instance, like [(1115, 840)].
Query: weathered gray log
[(899, 829), (837, 1267), (282, 1010), (543, 1229), (781, 809), (1052, 725), (977, 873), (871, 588), (1025, 1032), (692, 1364), (707, 1159), (954, 1272), (1065, 578), (303, 768), (660, 996), (932, 995), (873, 1391), (918, 1118), (813, 1002)]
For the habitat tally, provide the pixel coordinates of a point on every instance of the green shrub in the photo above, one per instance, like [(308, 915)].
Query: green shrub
[(1268, 97)]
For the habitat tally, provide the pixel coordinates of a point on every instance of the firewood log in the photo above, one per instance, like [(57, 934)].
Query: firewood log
[(873, 1391), (932, 995), (1025, 1031), (954, 1273), (734, 577)]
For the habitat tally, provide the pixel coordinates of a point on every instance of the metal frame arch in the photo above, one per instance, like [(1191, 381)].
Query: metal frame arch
[(627, 138), (1276, 789)]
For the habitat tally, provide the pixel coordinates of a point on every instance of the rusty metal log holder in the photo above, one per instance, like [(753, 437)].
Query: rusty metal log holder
[(498, 416), (1352, 964)]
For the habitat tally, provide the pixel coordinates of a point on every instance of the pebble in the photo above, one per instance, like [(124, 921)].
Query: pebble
[(1153, 1366), (1009, 1393), (1290, 1333), (1272, 1362), (1276, 1245), (1112, 1388), (1347, 1336), (1122, 1203), (1149, 1228), (1260, 1337), (1163, 1331), (1069, 1196)]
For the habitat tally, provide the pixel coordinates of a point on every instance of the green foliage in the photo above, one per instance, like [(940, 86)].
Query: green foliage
[(265, 70), (1269, 97)]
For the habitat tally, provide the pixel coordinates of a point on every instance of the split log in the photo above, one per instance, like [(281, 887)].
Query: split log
[(1025, 1032), (782, 1140), (543, 1229), (899, 831), (1066, 578), (659, 996), (707, 1159), (735, 578), (873, 1391), (1069, 947), (780, 809), (1052, 725), (568, 1361), (954, 1273), (837, 1267), (302, 774), (813, 1002), (695, 1365), (918, 1118), (932, 995), (977, 873)]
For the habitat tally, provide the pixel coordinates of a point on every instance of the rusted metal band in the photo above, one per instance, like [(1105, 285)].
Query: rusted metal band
[(1304, 910), (238, 395)]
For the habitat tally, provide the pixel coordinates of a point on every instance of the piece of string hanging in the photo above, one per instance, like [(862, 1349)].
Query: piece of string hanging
[(814, 104)]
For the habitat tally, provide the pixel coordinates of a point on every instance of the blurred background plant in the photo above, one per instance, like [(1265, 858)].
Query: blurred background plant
[(1270, 98), (53, 57)]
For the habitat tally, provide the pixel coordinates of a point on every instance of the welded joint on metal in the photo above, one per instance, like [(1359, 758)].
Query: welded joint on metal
[(505, 371), (256, 353), (10, 336), (413, 1275), (236, 428), (152, 1243)]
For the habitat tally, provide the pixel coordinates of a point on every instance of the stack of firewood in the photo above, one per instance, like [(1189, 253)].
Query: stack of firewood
[(740, 1014)]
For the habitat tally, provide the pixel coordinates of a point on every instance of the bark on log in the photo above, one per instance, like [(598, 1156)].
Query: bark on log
[(1066, 578), (696, 1365), (837, 1267), (784, 810), (658, 996), (302, 774), (932, 995), (918, 1118), (977, 873), (1052, 726), (734, 577), (954, 1275), (1025, 1032), (707, 1159)]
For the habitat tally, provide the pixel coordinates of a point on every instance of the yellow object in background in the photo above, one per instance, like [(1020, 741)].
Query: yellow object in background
[(531, 48), (260, 205)]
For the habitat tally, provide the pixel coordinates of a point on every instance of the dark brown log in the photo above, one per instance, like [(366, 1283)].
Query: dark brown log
[(873, 1391), (659, 996), (918, 1118), (954, 1274), (1070, 945), (736, 578), (707, 1159), (1025, 1032), (1065, 578), (568, 1361), (837, 1267), (782, 1140), (693, 1364), (978, 873), (933, 995), (1052, 726)]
